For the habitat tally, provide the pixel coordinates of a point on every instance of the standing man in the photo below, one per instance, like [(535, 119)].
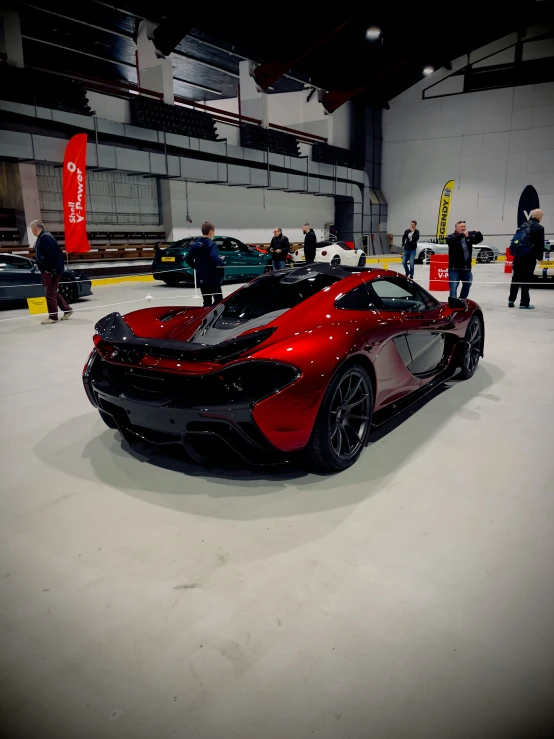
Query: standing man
[(526, 252), (279, 249), (204, 258), (310, 243), (460, 248), (50, 263), (409, 244)]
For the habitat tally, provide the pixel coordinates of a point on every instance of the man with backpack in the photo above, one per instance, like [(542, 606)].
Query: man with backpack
[(527, 248), (204, 258)]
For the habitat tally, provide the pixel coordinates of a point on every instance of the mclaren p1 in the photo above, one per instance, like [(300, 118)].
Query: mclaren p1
[(296, 363)]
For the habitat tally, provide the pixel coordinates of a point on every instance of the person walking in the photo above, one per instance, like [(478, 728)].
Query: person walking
[(204, 258), (310, 243), (279, 249), (409, 244), (527, 248), (49, 259), (460, 249)]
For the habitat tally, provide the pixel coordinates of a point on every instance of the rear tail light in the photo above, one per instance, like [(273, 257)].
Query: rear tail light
[(323, 253), (295, 253)]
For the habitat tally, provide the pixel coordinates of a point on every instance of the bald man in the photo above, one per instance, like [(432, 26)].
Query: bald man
[(524, 266)]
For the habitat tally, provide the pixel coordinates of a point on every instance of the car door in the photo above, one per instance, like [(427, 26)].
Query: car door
[(242, 259), (229, 267), (423, 343), (19, 278)]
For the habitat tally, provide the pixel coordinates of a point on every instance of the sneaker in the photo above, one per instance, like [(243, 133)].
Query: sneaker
[(511, 304), (47, 321), (67, 316), (527, 307)]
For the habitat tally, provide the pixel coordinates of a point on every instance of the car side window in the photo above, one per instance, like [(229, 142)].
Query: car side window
[(236, 245), (8, 261), (401, 295), (223, 244), (359, 299)]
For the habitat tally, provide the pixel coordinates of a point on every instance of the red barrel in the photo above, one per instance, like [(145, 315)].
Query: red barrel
[(438, 274), (509, 263)]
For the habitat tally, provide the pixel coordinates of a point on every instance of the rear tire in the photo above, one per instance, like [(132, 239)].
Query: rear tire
[(425, 255), (171, 281), (69, 291), (471, 348), (343, 421), (485, 256), (362, 261), (335, 262)]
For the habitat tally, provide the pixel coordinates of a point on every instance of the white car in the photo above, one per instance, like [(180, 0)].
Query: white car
[(333, 252), (481, 252)]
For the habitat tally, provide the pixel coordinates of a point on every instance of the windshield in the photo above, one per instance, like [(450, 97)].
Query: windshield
[(273, 293)]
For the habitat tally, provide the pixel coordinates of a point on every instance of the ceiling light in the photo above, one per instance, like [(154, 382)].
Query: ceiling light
[(373, 33), (428, 70)]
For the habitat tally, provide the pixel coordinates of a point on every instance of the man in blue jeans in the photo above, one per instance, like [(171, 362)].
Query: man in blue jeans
[(460, 248), (409, 244)]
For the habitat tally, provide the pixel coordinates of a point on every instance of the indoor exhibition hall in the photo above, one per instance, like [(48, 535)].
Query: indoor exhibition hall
[(276, 377)]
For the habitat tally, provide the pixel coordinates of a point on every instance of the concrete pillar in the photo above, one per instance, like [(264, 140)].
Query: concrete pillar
[(30, 196), (11, 43), (154, 70), (252, 102)]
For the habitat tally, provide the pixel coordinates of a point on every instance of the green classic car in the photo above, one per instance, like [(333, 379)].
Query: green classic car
[(241, 261)]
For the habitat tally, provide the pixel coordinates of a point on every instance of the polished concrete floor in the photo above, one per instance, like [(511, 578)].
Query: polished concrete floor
[(410, 597)]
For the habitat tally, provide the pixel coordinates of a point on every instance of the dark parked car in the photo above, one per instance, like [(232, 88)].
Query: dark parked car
[(20, 279), (241, 261), (296, 361)]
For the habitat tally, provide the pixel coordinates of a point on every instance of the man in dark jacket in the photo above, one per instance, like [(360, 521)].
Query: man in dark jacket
[(50, 263), (524, 266), (409, 244), (310, 243), (460, 249), (279, 249), (204, 258)]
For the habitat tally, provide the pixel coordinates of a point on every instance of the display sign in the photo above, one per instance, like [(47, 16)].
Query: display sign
[(444, 211), (438, 273), (74, 194)]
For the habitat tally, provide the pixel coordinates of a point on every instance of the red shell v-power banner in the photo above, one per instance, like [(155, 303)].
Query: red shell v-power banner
[(75, 194)]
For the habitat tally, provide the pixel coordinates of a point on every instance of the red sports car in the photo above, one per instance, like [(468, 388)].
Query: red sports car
[(303, 360)]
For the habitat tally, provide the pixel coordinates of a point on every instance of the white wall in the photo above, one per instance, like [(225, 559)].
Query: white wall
[(109, 107), (248, 214), (491, 143)]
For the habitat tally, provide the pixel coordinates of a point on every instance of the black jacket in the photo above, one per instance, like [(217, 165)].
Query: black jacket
[(536, 235), (279, 242), (310, 243), (410, 244), (204, 257), (456, 258), (48, 254)]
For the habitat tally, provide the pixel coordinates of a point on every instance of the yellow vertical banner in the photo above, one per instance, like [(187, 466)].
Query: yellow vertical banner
[(444, 211)]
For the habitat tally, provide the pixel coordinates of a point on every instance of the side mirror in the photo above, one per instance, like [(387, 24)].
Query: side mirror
[(457, 305)]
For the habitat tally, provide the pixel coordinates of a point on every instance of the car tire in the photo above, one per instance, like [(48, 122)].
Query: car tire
[(172, 281), (69, 291), (471, 348), (335, 262), (485, 256), (425, 255), (333, 445), (362, 261)]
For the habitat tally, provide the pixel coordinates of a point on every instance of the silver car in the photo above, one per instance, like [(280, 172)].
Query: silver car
[(481, 252)]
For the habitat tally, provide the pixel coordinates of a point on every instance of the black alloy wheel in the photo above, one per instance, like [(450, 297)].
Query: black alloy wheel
[(471, 348), (335, 262), (425, 255), (344, 420), (362, 261), (485, 256), (69, 291)]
